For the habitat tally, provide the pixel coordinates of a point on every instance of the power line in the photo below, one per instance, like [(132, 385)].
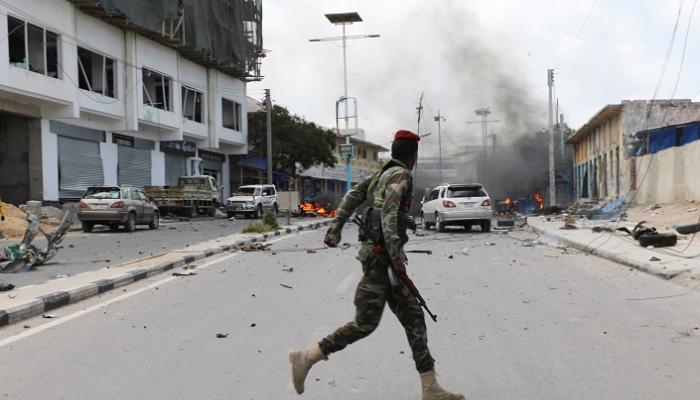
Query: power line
[(578, 34)]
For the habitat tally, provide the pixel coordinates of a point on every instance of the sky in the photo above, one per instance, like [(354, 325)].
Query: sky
[(463, 55)]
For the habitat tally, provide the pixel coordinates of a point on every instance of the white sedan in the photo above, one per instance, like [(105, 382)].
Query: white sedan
[(458, 204)]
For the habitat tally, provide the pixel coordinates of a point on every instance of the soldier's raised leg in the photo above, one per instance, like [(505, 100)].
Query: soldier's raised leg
[(411, 316)]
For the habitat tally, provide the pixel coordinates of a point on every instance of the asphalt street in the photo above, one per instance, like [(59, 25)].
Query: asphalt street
[(516, 320), (102, 248)]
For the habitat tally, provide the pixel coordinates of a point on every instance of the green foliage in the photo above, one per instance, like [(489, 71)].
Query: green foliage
[(270, 220), (258, 227), (293, 140)]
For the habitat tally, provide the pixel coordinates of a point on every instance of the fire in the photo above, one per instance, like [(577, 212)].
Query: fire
[(540, 200), (508, 201), (315, 209)]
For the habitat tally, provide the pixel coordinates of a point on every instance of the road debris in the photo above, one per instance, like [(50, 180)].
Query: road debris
[(601, 229), (465, 251), (49, 316), (61, 276), (222, 335), (4, 286), (655, 259), (186, 273), (255, 247), (489, 244), (420, 251), (290, 269), (253, 325), (286, 286), (345, 246), (311, 251)]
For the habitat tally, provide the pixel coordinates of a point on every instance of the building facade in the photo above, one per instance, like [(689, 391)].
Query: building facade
[(87, 98), (605, 161), (328, 185)]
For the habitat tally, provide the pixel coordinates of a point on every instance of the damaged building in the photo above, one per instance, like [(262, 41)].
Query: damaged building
[(612, 154), (116, 92)]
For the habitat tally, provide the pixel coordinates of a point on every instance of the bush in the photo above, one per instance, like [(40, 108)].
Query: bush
[(270, 220), (258, 227)]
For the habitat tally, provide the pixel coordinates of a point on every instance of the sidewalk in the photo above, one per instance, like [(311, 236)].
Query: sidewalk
[(668, 263), (32, 300)]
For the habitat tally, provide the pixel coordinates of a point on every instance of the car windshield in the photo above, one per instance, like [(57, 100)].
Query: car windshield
[(248, 191), (465, 191), (102, 193)]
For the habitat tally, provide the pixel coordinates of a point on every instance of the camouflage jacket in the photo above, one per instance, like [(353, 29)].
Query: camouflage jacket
[(391, 190)]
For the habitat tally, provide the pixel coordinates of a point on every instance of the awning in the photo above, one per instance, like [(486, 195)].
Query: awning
[(254, 162)]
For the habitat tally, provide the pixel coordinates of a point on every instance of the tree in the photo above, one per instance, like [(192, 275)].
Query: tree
[(294, 140)]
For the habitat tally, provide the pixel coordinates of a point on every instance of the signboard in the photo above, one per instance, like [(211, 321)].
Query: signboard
[(346, 151)]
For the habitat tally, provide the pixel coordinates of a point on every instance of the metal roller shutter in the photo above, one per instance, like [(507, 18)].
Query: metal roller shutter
[(175, 167), (79, 166), (134, 167)]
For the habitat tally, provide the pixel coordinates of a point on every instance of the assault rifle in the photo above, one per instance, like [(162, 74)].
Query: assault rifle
[(394, 277)]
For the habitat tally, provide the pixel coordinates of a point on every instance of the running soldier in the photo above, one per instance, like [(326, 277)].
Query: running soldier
[(389, 190)]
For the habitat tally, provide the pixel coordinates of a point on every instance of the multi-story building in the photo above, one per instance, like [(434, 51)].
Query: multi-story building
[(605, 161), (325, 184), (103, 92)]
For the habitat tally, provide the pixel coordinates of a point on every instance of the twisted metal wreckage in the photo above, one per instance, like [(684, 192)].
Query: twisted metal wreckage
[(25, 255)]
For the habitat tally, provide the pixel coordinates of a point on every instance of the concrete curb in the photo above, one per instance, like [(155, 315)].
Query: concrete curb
[(609, 255), (52, 301)]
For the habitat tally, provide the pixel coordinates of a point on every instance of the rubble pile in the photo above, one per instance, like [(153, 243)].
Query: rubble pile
[(15, 223)]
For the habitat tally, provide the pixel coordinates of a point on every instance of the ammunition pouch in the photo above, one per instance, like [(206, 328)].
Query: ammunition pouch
[(371, 227)]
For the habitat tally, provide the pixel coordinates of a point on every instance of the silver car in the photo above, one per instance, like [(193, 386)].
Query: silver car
[(457, 204), (114, 206)]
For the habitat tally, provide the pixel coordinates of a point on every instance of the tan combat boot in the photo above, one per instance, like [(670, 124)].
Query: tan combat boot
[(302, 361), (433, 391)]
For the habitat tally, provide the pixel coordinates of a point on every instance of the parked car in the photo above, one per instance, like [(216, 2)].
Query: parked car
[(252, 201), (191, 195), (457, 204), (114, 206)]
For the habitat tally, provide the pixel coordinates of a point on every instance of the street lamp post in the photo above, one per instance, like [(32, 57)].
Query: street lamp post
[(344, 19)]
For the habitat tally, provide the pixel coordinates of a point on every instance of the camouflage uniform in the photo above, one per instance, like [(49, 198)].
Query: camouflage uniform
[(390, 190)]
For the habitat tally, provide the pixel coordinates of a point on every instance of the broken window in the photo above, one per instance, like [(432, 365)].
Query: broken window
[(192, 104), (32, 47), (156, 89), (96, 73), (231, 112)]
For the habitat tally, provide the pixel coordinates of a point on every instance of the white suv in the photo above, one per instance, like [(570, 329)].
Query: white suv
[(457, 204), (252, 200)]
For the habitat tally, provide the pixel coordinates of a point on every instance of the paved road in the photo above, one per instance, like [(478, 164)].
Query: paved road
[(101, 248), (515, 322)]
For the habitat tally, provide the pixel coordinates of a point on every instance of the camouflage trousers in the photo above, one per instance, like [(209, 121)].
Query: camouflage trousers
[(373, 291)]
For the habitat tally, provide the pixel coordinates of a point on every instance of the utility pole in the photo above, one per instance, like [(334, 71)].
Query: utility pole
[(419, 109), (484, 121), (552, 174), (268, 109), (344, 19), (439, 118)]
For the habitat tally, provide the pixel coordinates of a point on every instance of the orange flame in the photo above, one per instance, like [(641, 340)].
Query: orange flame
[(539, 199), (315, 209)]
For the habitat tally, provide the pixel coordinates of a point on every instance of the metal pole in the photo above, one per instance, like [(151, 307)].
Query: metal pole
[(439, 121), (268, 102), (345, 79), (552, 176)]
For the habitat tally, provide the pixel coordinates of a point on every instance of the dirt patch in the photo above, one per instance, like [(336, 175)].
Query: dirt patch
[(15, 222), (665, 216)]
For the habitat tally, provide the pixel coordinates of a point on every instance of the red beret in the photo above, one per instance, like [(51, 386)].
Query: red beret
[(403, 134)]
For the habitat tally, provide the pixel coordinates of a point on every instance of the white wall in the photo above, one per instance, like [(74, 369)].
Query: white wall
[(49, 162), (164, 60), (669, 176), (221, 85), (110, 160), (157, 167)]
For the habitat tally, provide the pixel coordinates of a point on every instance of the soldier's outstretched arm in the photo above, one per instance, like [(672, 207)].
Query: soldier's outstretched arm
[(397, 187), (348, 204)]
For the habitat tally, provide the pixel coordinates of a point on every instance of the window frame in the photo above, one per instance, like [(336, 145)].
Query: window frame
[(237, 110), (27, 62), (147, 100), (105, 81), (183, 92)]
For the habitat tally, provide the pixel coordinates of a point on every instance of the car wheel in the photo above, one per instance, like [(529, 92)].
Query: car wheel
[(130, 225), (230, 214), (87, 227), (439, 225), (155, 221), (275, 209), (426, 224), (486, 226), (113, 227), (258, 212)]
